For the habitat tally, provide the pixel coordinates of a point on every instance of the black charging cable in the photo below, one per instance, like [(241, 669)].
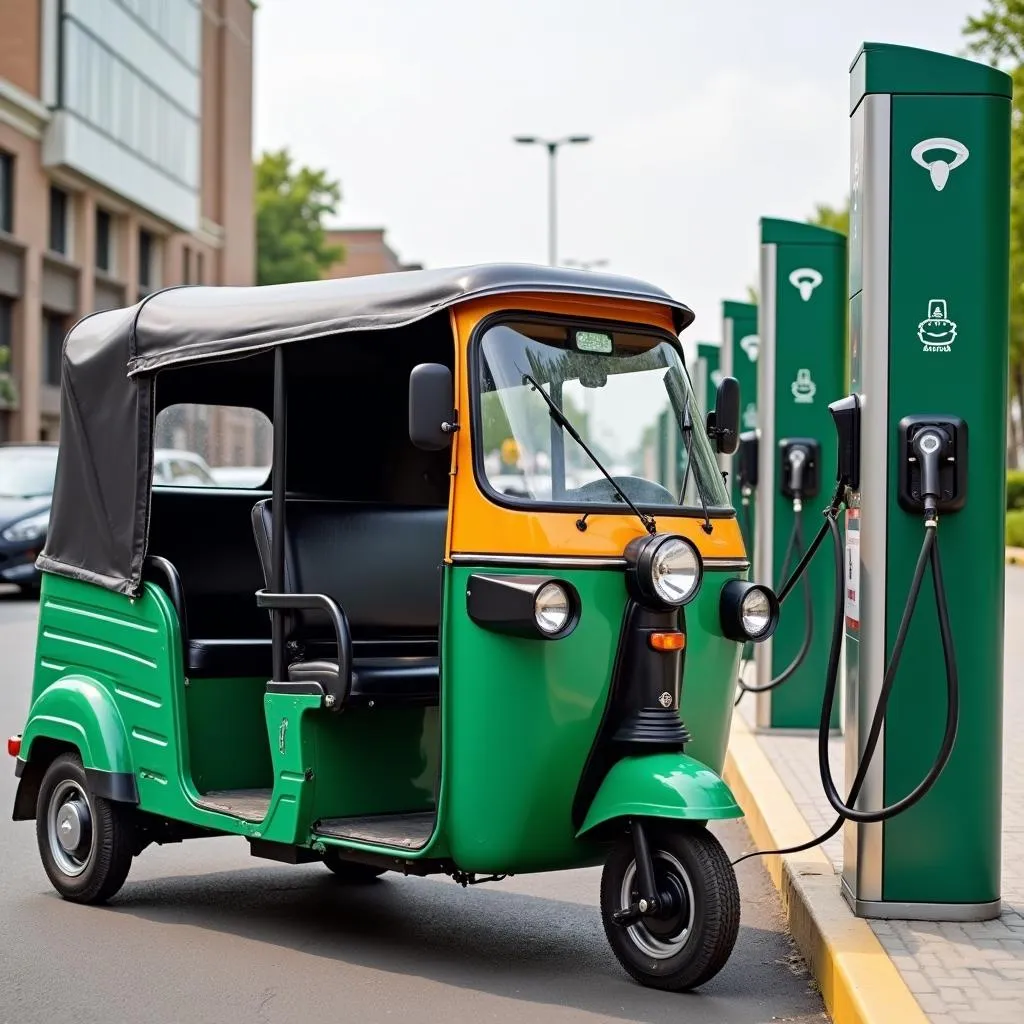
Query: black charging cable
[(795, 544), (847, 811)]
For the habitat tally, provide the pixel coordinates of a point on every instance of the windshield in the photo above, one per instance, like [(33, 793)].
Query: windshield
[(27, 472), (626, 394)]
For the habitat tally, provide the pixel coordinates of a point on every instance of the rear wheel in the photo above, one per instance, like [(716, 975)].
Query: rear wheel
[(689, 940), (349, 871), (85, 842)]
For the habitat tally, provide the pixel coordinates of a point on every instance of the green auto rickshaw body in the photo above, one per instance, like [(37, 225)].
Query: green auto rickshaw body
[(516, 764)]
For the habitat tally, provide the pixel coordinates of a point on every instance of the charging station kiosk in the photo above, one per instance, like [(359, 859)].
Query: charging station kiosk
[(928, 293), (707, 374), (800, 371), (741, 346)]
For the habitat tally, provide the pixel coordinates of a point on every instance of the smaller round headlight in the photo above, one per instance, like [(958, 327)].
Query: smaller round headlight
[(552, 608), (675, 571), (748, 612), (755, 612)]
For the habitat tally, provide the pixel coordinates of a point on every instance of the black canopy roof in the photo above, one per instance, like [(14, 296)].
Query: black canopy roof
[(100, 509)]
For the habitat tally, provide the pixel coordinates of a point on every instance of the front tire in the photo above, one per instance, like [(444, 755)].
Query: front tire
[(85, 842), (350, 872), (687, 944)]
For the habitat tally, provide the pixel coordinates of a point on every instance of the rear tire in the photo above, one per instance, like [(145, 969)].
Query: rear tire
[(689, 944), (349, 871), (85, 842)]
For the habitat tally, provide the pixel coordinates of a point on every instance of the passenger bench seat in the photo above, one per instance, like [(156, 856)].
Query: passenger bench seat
[(381, 564)]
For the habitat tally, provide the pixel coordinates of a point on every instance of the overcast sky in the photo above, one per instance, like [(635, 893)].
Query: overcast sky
[(706, 115)]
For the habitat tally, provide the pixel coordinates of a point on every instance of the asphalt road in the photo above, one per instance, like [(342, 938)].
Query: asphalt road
[(203, 933)]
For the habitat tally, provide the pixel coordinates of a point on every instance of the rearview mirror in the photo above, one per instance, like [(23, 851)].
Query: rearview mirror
[(431, 406), (724, 422)]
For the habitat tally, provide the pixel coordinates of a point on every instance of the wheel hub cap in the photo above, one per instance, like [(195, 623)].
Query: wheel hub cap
[(665, 933), (69, 828)]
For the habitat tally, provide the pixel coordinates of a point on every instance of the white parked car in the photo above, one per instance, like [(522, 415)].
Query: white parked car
[(181, 469)]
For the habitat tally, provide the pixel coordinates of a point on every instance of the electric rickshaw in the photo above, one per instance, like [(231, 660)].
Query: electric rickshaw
[(484, 618)]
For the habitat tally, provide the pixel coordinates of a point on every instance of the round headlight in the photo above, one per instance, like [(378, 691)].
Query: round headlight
[(755, 612), (675, 571), (552, 608)]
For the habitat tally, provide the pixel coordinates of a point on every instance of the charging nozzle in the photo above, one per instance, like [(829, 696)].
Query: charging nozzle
[(799, 458), (930, 446), (846, 416)]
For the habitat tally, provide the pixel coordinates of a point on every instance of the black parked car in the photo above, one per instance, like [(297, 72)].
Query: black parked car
[(26, 490)]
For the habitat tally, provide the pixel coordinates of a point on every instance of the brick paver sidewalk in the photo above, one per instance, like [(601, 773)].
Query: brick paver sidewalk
[(960, 973)]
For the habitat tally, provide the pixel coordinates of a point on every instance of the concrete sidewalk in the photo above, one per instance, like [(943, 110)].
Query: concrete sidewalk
[(956, 973)]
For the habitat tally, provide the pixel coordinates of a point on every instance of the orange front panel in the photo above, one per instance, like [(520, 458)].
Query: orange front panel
[(477, 525)]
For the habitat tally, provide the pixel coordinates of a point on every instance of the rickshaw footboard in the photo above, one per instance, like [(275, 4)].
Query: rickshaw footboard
[(403, 831)]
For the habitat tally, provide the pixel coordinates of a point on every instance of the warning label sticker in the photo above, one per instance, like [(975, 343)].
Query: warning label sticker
[(852, 569)]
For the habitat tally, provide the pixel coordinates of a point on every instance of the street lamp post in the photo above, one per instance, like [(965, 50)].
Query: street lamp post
[(552, 146)]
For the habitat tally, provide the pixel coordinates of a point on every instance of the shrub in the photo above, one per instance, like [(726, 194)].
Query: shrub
[(1015, 528), (1015, 488)]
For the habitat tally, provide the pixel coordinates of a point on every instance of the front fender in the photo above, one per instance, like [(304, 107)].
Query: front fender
[(660, 786), (79, 711)]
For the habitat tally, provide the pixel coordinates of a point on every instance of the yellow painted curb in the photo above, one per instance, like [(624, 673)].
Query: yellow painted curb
[(859, 982)]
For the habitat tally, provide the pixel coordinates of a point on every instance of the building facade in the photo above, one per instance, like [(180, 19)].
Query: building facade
[(125, 167), (366, 252)]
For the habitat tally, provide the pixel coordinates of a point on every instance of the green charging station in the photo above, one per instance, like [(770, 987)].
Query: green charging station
[(740, 348), (801, 369), (928, 293), (708, 374)]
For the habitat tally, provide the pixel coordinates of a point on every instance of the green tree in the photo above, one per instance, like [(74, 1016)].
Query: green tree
[(291, 203), (998, 35), (830, 217)]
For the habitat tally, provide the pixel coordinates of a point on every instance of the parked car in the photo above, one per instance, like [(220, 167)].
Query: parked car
[(179, 468), (241, 477), (26, 490)]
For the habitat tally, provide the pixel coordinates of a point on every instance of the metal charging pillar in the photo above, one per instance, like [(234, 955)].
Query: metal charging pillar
[(800, 370), (740, 348), (708, 374), (929, 325)]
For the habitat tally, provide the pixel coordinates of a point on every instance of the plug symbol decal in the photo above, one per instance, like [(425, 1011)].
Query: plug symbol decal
[(803, 388), (751, 344), (937, 332), (805, 280), (939, 168), (750, 416), (716, 377)]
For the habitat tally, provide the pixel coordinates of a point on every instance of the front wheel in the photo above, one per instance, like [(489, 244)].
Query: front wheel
[(689, 940), (85, 842)]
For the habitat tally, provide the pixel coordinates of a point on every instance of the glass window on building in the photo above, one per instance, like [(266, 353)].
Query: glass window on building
[(6, 192), (6, 332), (186, 265), (199, 268), (149, 271), (104, 241), (59, 208), (54, 329)]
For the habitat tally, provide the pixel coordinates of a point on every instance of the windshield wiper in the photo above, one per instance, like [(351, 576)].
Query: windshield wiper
[(563, 421), (686, 426)]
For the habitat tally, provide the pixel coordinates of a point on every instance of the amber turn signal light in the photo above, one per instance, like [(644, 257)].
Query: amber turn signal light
[(668, 641)]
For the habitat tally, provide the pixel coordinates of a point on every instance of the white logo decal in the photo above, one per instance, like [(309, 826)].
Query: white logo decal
[(937, 333), (806, 279), (751, 344), (716, 377), (665, 700), (750, 416), (939, 169), (803, 388)]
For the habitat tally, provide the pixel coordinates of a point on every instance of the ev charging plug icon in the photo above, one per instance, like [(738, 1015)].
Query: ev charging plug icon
[(805, 280), (940, 169)]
